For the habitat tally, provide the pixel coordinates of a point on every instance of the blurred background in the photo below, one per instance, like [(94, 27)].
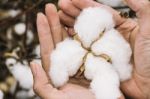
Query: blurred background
[(18, 46)]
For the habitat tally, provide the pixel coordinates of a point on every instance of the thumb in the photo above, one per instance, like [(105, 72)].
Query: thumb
[(138, 5), (141, 7), (41, 83)]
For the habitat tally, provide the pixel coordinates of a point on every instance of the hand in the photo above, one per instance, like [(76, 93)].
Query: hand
[(50, 33), (136, 33)]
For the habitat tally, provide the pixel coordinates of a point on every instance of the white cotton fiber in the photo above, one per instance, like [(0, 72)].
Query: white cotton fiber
[(70, 55), (20, 28), (91, 23), (65, 61), (10, 62), (113, 3), (105, 80), (37, 51), (23, 75), (114, 45), (1, 95)]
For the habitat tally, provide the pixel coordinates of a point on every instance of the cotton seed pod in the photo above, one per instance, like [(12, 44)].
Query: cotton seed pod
[(91, 23)]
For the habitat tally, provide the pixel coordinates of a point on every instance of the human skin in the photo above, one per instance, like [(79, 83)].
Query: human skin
[(137, 33)]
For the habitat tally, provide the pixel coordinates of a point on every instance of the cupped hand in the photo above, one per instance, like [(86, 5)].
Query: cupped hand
[(51, 32), (137, 33)]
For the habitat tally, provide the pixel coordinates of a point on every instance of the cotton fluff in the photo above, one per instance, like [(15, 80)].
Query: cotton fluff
[(1, 95), (119, 51), (30, 37), (20, 28), (91, 23), (13, 13), (22, 73), (105, 80), (96, 36), (65, 61), (113, 3)]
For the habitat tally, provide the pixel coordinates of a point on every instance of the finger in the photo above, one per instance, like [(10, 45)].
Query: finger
[(141, 5), (54, 22), (45, 39), (131, 89), (128, 30), (71, 31), (68, 7), (91, 3), (66, 20), (41, 84), (81, 4)]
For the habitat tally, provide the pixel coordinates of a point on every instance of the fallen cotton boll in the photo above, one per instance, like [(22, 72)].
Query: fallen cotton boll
[(97, 51), (91, 23), (113, 44), (65, 61), (113, 3), (1, 95)]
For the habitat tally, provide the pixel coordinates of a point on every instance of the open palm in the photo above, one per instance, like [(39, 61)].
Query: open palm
[(137, 33)]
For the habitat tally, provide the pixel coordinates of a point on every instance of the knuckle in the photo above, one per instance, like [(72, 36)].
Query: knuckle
[(63, 5), (75, 1)]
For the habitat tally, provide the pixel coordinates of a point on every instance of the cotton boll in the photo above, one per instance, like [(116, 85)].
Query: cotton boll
[(23, 75), (37, 51), (65, 61), (20, 28), (115, 46), (10, 62), (13, 13), (91, 23), (113, 3), (30, 37), (105, 80), (9, 34), (106, 87), (1, 95)]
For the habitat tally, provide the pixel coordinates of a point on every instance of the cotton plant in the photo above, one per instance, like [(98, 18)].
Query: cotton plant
[(97, 51)]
